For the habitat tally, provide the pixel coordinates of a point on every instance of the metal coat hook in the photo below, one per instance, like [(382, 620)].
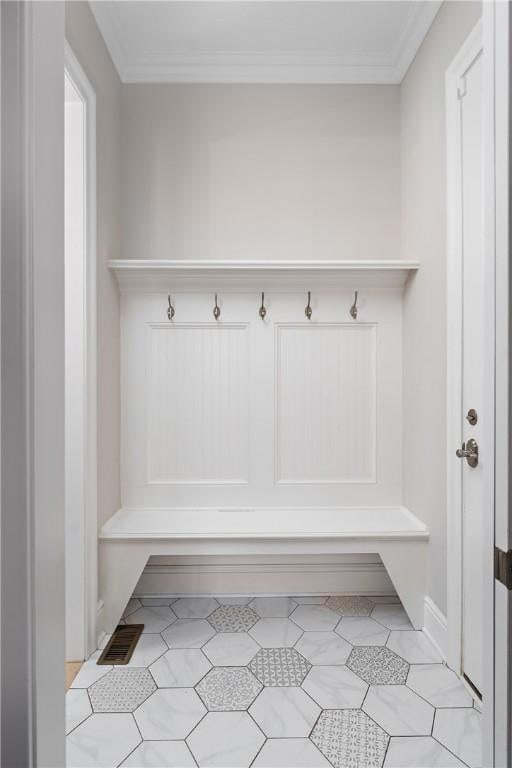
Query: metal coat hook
[(216, 309), (170, 309), (353, 308), (308, 311), (262, 310)]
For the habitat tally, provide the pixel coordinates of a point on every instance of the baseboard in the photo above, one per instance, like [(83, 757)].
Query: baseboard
[(435, 627), (290, 578)]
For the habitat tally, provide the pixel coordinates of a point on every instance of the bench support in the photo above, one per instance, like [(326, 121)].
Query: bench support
[(123, 561)]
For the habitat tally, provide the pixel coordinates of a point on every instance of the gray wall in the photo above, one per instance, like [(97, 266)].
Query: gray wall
[(423, 162), (87, 43), (260, 172)]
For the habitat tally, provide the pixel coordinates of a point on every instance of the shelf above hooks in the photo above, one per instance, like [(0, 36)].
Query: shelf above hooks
[(163, 276)]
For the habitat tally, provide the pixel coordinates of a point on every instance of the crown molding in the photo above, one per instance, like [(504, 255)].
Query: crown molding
[(263, 67), (415, 31)]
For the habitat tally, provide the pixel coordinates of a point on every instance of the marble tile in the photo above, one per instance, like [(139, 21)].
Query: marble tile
[(285, 712), (194, 607), (234, 600), (460, 731), (311, 599), (419, 752), (231, 649), (414, 647), (149, 648), (399, 710), (155, 618), (157, 754), (188, 633), (227, 689), (323, 648), (170, 713), (290, 753), (102, 741), (90, 671), (225, 740), (131, 606), (378, 666), (315, 618), (275, 633), (273, 607), (335, 687), (362, 631), (233, 618), (279, 666), (350, 739), (439, 685), (391, 616), (78, 708), (122, 690), (180, 667), (350, 605)]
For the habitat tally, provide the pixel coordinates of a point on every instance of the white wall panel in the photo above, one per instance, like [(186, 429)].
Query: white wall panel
[(242, 412), (197, 403), (325, 403)]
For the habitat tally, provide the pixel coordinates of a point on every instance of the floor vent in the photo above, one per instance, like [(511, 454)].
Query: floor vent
[(122, 644)]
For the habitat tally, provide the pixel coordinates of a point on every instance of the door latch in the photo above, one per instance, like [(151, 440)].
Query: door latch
[(469, 451)]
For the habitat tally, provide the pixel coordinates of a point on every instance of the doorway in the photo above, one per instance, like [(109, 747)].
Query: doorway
[(80, 366), (467, 460)]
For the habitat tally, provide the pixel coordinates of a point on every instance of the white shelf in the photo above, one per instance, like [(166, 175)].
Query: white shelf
[(155, 275)]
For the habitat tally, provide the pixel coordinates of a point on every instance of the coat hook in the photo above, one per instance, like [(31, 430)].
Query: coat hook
[(262, 311), (216, 309), (170, 309), (353, 308), (308, 311)]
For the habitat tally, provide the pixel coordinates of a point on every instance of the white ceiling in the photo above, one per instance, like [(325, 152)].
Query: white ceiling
[(263, 41)]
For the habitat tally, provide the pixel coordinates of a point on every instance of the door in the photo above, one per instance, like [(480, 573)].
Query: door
[(469, 458), (472, 384)]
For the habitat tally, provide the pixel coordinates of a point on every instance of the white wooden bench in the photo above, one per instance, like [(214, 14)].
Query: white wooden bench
[(131, 536)]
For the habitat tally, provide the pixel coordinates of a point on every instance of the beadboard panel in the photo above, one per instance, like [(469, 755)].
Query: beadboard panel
[(325, 403), (245, 413), (197, 390)]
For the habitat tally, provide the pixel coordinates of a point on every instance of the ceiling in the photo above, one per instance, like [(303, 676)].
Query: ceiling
[(263, 41)]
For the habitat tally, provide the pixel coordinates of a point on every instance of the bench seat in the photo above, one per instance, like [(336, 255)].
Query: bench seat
[(132, 535)]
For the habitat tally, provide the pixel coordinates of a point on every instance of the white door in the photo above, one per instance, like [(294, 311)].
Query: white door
[(473, 508)]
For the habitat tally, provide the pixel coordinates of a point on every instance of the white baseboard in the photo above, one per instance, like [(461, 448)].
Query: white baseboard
[(435, 627), (265, 578)]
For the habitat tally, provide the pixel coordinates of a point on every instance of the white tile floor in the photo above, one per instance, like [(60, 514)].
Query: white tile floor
[(273, 682)]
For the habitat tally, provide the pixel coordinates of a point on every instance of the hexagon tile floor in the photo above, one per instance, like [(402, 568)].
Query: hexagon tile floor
[(270, 682)]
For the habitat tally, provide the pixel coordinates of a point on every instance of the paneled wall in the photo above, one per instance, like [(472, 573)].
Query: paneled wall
[(251, 413)]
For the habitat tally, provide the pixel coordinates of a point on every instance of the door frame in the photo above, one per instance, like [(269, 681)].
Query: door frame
[(86, 519), (497, 19), (471, 48), (32, 385)]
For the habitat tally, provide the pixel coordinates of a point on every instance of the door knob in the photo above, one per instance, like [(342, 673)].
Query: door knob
[(469, 451)]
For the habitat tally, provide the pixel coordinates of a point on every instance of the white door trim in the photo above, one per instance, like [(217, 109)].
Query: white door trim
[(32, 350), (497, 20), (90, 510), (463, 60)]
